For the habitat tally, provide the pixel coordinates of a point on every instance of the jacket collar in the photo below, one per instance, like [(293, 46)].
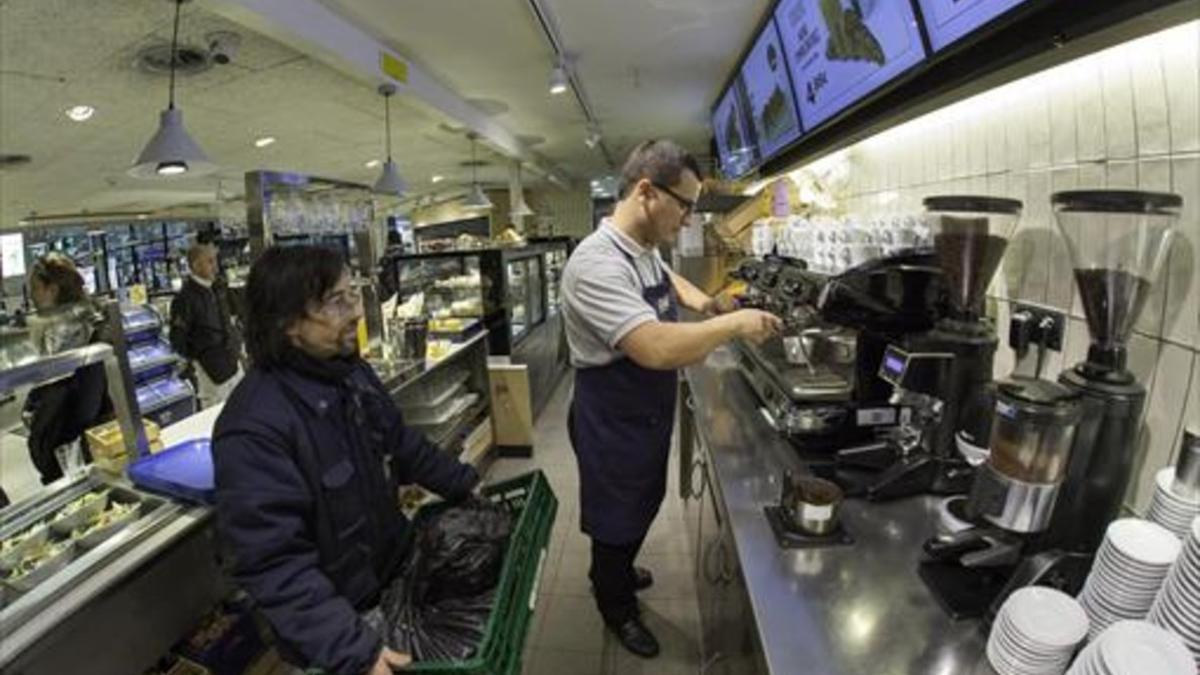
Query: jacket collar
[(318, 396)]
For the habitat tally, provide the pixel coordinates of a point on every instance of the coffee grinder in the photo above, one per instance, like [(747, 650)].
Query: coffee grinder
[(1040, 506), (971, 234)]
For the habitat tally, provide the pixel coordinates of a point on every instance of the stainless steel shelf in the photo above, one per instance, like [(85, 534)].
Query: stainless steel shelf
[(52, 368)]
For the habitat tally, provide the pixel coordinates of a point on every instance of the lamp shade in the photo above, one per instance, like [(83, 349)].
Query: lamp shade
[(171, 152), (522, 210), (390, 181), (476, 199)]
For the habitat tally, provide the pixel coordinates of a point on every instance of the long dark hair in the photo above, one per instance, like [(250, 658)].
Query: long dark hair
[(282, 284), (57, 270)]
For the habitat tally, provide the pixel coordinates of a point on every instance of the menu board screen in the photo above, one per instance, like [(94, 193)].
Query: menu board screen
[(12, 255), (735, 148), (949, 20), (839, 51), (772, 105)]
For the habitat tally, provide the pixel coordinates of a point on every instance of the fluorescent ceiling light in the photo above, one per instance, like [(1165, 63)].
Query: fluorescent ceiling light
[(437, 178), (80, 113), (373, 163), (264, 141)]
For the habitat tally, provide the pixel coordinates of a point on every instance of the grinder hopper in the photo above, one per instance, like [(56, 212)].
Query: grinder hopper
[(970, 235), (1118, 241)]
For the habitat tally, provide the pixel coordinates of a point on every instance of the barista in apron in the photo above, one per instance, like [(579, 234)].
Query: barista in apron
[(621, 307)]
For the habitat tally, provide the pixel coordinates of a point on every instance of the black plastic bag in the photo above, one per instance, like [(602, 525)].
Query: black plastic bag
[(438, 606)]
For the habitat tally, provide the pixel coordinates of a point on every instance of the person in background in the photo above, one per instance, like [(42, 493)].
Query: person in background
[(309, 455), (202, 330), (58, 413), (621, 309)]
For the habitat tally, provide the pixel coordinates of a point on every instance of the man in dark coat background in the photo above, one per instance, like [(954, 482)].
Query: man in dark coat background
[(309, 454)]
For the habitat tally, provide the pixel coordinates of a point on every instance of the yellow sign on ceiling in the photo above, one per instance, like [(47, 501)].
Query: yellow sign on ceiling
[(393, 67)]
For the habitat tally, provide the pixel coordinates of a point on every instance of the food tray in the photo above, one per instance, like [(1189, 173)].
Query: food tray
[(33, 537), (441, 385), (97, 537), (64, 525), (183, 471), (429, 417), (48, 568)]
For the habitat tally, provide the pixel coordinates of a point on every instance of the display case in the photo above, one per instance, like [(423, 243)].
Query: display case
[(510, 289), (161, 394)]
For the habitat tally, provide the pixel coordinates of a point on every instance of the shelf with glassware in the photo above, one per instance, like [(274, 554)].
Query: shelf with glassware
[(162, 395)]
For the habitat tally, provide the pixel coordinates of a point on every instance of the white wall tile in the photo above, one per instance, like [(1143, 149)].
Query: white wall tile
[(1092, 175), (961, 151), (944, 139), (1191, 414), (1016, 140), (1120, 129), (1143, 358), (977, 141), (1154, 175), (1037, 128), (996, 147), (1150, 103), (1180, 58), (1122, 174), (1060, 289), (1165, 406), (1076, 341), (1089, 111), (1182, 276), (1062, 124)]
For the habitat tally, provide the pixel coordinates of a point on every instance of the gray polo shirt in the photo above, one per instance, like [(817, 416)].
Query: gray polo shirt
[(602, 294)]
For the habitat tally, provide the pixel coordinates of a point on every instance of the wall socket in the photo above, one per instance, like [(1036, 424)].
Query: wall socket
[(1031, 325)]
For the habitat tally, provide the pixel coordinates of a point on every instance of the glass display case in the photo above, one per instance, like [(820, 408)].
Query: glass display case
[(517, 272), (553, 262)]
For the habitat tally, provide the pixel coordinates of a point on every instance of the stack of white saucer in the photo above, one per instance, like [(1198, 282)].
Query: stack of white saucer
[(1171, 506), (1177, 607), (1134, 648), (1036, 632), (1128, 571)]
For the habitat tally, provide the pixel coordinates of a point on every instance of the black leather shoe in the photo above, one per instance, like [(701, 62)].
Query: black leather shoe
[(642, 578), (638, 639)]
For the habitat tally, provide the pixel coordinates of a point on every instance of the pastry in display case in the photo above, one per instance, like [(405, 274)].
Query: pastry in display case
[(553, 262), (518, 297)]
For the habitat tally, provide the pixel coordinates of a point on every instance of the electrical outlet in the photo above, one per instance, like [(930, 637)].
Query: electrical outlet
[(1042, 325)]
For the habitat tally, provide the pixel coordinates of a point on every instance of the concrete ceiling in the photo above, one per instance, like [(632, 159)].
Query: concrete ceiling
[(650, 69)]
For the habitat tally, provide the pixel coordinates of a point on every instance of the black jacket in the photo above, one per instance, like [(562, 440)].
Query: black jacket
[(307, 478), (202, 331)]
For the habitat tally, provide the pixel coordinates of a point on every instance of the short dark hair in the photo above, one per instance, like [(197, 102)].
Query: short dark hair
[(659, 161), (56, 269), (282, 284)]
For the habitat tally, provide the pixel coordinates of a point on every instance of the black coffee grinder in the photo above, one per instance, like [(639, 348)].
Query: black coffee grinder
[(970, 236), (1040, 513)]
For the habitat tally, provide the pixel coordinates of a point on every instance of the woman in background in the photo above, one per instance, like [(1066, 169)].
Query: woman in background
[(58, 413)]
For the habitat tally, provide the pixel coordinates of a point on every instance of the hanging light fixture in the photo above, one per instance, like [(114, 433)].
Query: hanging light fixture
[(476, 199), (521, 209), (390, 182), (558, 79), (171, 152)]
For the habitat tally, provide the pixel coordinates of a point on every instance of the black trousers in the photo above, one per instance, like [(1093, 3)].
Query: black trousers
[(613, 580)]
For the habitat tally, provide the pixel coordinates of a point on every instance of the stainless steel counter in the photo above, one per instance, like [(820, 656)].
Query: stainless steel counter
[(857, 610)]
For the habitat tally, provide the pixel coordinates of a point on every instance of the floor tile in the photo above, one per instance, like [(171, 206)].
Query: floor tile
[(562, 662), (571, 623)]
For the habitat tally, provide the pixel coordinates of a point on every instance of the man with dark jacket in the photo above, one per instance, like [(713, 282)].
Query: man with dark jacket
[(310, 453), (201, 329)]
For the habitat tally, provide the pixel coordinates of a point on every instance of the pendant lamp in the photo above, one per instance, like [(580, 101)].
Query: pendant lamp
[(171, 152), (521, 210), (476, 199), (390, 182)]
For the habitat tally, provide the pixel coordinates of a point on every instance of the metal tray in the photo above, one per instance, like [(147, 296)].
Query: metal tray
[(48, 568), (39, 533), (64, 525)]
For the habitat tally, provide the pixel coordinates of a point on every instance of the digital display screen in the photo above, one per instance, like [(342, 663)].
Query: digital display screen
[(771, 103), (12, 254), (893, 364), (735, 149), (840, 51), (948, 21)]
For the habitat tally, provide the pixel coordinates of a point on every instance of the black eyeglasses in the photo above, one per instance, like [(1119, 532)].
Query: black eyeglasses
[(686, 204)]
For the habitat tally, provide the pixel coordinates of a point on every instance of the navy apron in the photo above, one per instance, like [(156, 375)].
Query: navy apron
[(620, 425)]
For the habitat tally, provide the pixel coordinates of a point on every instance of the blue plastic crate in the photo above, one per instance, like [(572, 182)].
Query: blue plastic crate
[(183, 471)]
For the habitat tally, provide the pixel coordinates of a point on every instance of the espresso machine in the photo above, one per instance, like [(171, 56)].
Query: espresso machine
[(970, 236), (1061, 453)]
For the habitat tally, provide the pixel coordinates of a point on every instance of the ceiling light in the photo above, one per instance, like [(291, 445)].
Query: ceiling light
[(558, 79), (372, 163), (437, 178), (390, 182), (81, 113), (476, 199), (520, 209), (264, 141), (593, 138), (171, 152)]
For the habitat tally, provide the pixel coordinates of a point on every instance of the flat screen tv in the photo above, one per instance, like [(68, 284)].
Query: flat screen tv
[(841, 51), (736, 150), (771, 102), (948, 21)]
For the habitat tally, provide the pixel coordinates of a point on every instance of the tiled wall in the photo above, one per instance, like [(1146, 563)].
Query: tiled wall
[(1127, 117)]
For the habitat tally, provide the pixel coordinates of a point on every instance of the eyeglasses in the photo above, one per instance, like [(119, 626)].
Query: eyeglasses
[(341, 303), (684, 203)]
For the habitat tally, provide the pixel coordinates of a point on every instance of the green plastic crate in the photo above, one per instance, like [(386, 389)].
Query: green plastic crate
[(530, 498)]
